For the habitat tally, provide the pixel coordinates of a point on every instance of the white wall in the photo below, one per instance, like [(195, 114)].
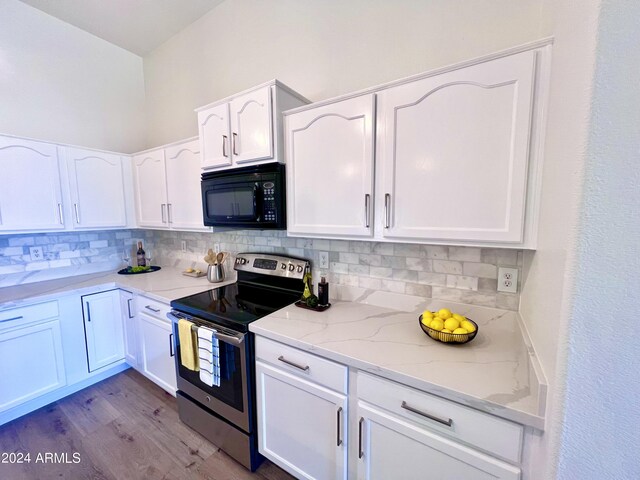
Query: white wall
[(62, 84), (321, 48), (602, 419)]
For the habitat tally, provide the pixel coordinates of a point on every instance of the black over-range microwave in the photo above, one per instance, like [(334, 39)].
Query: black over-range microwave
[(248, 197)]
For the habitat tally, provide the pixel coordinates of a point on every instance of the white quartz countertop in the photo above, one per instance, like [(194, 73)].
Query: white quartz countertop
[(378, 332), (164, 285)]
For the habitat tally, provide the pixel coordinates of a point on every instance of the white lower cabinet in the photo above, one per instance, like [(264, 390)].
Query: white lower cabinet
[(397, 432), (157, 349), (301, 425), (103, 328), (130, 325), (389, 447), (31, 352), (302, 411)]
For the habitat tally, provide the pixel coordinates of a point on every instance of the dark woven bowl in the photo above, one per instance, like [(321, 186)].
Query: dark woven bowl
[(454, 338)]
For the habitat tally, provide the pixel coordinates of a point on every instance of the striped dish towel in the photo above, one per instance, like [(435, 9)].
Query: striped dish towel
[(209, 356)]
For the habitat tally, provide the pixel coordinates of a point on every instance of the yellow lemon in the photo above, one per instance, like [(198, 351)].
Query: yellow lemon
[(463, 335), (460, 318), (451, 324), (468, 326), (426, 321), (444, 337), (427, 313), (437, 324), (444, 313)]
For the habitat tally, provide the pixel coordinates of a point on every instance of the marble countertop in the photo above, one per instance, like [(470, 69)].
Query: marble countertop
[(164, 285), (378, 332)]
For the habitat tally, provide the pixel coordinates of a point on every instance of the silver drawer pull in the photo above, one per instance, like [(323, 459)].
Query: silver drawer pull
[(447, 422), (282, 359), (155, 310), (360, 451), (338, 429), (12, 319)]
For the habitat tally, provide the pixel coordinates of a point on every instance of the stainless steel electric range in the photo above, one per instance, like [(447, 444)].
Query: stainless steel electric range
[(226, 414)]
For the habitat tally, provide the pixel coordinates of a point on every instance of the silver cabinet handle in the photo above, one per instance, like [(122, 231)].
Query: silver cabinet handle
[(129, 307), (224, 146), (367, 199), (171, 352), (387, 210), (447, 422), (169, 212), (11, 319), (284, 360), (88, 312), (154, 310), (235, 138), (60, 214), (0, 216), (162, 209), (360, 452), (338, 415), (75, 207)]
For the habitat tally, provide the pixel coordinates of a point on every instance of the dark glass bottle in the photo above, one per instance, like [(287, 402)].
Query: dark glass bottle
[(140, 257), (323, 292)]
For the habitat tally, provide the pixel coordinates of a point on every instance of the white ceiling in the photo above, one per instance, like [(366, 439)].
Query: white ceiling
[(135, 25)]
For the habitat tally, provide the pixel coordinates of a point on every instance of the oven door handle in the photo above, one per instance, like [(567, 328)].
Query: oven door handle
[(236, 340)]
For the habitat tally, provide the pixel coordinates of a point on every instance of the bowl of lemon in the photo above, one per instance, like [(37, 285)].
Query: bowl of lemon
[(447, 327)]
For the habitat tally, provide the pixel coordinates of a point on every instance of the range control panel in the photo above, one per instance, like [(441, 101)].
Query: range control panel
[(277, 265)]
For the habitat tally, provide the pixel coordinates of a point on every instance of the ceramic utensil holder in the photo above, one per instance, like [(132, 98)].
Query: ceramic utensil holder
[(215, 273)]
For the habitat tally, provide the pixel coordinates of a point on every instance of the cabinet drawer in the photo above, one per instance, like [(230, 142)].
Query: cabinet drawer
[(495, 435), (152, 307), (22, 316), (316, 369)]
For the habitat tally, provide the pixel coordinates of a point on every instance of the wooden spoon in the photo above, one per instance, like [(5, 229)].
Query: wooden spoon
[(219, 257)]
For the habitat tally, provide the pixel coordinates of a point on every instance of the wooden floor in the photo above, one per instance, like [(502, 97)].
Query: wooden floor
[(122, 428)]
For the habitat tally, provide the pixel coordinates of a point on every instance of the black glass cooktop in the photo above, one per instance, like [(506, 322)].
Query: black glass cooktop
[(236, 305)]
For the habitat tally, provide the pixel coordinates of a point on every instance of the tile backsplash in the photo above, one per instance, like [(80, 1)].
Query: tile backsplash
[(459, 274)]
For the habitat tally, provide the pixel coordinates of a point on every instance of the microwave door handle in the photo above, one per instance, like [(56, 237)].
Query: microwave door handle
[(256, 215)]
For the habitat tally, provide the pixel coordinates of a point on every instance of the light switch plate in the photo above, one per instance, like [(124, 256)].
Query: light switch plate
[(36, 254), (323, 259)]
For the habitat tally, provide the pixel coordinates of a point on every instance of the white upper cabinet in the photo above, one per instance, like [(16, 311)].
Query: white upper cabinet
[(213, 125), (97, 189), (246, 128), (30, 193), (184, 209), (330, 160), (453, 153), (252, 126), (151, 193)]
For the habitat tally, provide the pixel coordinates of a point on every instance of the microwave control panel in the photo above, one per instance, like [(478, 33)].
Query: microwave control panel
[(269, 208)]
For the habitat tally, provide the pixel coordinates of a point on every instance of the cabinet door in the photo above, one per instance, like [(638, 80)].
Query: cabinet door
[(184, 194), (215, 144), (157, 351), (103, 328), (30, 195), (329, 163), (252, 126), (32, 363), (130, 328), (301, 426), (97, 189), (392, 448), (454, 151), (151, 189)]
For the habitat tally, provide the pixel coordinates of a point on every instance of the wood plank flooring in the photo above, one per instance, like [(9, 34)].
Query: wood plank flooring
[(125, 427)]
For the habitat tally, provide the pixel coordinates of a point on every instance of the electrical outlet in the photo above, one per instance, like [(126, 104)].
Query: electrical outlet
[(216, 248), (323, 259), (36, 254), (507, 280), (183, 245)]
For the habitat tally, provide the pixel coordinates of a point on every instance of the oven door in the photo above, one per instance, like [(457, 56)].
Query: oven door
[(230, 400), (231, 203)]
